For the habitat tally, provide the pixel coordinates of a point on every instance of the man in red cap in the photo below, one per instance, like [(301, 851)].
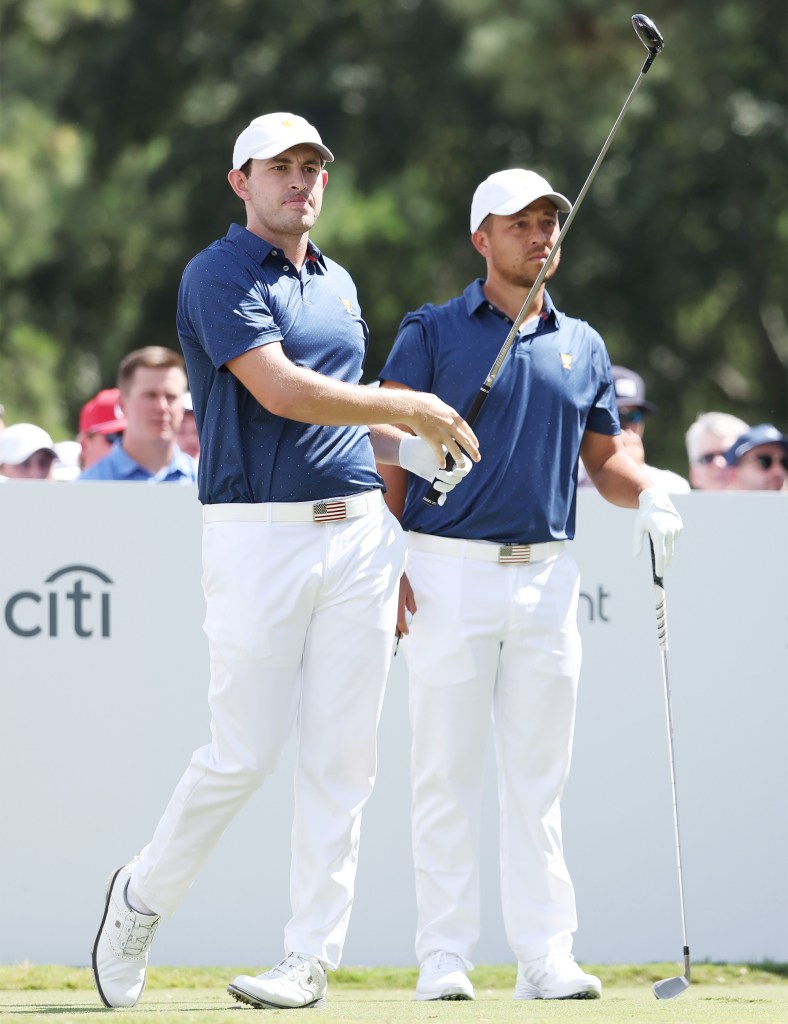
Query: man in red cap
[(101, 423)]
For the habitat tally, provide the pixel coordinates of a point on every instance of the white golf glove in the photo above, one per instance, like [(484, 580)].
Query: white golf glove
[(658, 518), (418, 457)]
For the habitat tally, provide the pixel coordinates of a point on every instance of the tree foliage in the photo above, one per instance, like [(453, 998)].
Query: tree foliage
[(118, 119)]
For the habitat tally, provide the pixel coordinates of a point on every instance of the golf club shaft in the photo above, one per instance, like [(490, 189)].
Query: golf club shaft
[(432, 495), (662, 635), (540, 279)]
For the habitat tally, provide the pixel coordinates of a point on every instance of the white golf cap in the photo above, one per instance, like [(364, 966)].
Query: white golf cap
[(272, 134), (21, 440), (507, 192)]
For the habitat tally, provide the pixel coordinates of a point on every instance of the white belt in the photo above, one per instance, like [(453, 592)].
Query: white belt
[(330, 510), (485, 551)]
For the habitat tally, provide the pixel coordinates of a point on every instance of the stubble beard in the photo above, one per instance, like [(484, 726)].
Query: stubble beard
[(524, 278)]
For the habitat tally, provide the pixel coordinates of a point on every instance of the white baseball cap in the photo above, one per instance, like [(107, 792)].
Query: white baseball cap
[(21, 440), (506, 192), (272, 134)]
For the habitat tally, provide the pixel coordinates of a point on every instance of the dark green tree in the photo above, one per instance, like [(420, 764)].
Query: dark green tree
[(118, 120)]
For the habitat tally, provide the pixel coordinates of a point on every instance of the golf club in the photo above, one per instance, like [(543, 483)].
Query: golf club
[(649, 35), (669, 988)]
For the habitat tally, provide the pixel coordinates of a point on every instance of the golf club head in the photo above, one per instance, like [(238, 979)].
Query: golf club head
[(648, 33), (670, 988)]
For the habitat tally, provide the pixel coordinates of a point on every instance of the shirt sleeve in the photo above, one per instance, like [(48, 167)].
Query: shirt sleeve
[(603, 415), (224, 308), (411, 360)]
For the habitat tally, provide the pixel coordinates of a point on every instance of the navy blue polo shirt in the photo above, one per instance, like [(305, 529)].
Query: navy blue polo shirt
[(241, 293), (555, 383)]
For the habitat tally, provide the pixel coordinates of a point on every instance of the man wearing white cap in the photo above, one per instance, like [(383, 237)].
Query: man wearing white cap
[(493, 590), (301, 565), (27, 453)]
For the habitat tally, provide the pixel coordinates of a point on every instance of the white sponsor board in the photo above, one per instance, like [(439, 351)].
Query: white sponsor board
[(104, 682)]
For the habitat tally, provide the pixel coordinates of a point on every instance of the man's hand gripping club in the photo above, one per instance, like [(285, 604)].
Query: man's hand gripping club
[(442, 431), (418, 457), (657, 517)]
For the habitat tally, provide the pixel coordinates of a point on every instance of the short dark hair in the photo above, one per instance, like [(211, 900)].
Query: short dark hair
[(153, 357)]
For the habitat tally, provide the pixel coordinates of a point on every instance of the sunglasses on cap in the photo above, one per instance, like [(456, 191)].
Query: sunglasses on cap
[(766, 461), (633, 416)]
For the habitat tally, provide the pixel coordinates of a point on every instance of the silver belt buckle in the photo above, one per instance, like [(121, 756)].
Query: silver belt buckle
[(329, 511), (512, 554)]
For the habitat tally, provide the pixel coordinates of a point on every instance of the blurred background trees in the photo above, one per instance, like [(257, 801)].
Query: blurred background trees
[(118, 119)]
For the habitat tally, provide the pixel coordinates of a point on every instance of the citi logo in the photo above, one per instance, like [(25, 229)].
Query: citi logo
[(76, 602)]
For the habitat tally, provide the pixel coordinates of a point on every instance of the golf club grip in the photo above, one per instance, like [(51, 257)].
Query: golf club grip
[(661, 602), (432, 495)]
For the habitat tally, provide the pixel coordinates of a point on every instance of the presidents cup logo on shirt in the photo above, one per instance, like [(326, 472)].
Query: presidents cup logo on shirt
[(72, 601), (347, 304), (566, 360)]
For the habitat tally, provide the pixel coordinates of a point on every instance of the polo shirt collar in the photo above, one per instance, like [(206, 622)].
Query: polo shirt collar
[(181, 463), (126, 467), (475, 299), (260, 250), (123, 464)]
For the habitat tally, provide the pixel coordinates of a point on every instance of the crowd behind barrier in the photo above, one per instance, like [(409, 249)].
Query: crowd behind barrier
[(723, 452)]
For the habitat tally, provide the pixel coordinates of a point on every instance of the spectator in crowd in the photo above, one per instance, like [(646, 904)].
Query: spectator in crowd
[(152, 381), (101, 424), (188, 438), (26, 453), (759, 459), (633, 407), (68, 462), (708, 440)]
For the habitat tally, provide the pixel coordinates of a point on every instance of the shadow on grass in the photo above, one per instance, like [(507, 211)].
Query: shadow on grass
[(77, 1009), (35, 1010)]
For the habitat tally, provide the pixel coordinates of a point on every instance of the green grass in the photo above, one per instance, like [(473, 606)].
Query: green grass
[(719, 994)]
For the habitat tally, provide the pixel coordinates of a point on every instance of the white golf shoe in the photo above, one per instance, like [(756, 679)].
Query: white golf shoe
[(297, 981), (555, 976), (120, 952), (444, 975)]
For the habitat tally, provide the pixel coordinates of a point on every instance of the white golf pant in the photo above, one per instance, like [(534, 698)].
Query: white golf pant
[(491, 641), (300, 620)]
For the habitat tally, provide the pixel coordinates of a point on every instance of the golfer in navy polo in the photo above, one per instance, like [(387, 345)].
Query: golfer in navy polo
[(301, 564), (493, 593)]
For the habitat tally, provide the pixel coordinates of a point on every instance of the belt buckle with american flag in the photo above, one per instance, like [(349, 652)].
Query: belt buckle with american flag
[(329, 511), (511, 554)]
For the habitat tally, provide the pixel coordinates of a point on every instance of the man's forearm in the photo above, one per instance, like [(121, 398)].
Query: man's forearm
[(299, 393), (620, 480)]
